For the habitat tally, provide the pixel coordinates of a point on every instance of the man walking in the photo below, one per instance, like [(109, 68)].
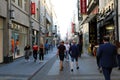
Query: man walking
[(74, 53), (107, 57), (60, 52)]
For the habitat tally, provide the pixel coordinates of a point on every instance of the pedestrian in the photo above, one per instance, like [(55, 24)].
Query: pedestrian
[(107, 53), (80, 48), (74, 53), (46, 47), (35, 51), (41, 52), (117, 43), (27, 52), (67, 46), (60, 52), (96, 49)]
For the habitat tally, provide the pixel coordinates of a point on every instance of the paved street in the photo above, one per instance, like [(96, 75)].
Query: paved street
[(88, 71), (49, 69), (21, 70)]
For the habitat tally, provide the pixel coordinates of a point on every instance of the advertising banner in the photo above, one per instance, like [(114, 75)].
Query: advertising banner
[(83, 6)]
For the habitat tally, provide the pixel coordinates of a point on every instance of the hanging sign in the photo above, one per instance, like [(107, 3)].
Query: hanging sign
[(32, 8)]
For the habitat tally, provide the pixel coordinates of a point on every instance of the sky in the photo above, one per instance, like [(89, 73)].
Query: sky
[(64, 10)]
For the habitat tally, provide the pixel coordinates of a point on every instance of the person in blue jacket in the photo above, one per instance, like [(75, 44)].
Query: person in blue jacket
[(74, 53), (107, 53)]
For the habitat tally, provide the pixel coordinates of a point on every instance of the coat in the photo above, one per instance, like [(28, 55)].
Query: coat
[(107, 55), (74, 51)]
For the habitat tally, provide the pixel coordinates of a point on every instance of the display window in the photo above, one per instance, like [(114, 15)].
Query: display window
[(18, 39)]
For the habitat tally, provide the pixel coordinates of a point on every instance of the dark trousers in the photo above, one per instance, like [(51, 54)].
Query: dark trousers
[(97, 59), (107, 73), (118, 59), (35, 55), (41, 56), (27, 54)]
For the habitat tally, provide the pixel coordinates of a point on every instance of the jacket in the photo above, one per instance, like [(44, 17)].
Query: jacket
[(107, 55)]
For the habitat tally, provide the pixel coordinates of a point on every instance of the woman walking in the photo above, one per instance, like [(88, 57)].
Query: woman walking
[(41, 52), (27, 51)]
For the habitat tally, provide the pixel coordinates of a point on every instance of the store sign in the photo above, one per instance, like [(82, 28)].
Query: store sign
[(83, 6), (32, 8)]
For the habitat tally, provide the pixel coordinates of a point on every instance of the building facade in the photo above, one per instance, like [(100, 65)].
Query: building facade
[(21, 23), (3, 25)]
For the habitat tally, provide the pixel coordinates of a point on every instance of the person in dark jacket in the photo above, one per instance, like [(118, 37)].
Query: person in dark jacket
[(74, 53), (61, 53), (107, 53), (27, 52), (41, 52)]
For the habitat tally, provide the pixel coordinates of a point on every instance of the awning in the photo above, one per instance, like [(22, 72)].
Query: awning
[(109, 16), (88, 18)]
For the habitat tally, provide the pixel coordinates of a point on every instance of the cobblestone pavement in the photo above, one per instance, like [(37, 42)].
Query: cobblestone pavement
[(87, 71)]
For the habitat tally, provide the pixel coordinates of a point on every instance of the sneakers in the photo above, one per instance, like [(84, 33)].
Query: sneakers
[(71, 70), (100, 70), (77, 67)]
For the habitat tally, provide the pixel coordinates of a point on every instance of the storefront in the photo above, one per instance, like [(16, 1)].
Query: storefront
[(18, 39), (1, 40), (106, 27)]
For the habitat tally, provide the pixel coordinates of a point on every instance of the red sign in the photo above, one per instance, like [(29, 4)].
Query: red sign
[(83, 6), (32, 8)]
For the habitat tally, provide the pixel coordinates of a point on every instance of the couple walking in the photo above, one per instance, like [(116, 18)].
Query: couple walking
[(73, 51), (36, 49)]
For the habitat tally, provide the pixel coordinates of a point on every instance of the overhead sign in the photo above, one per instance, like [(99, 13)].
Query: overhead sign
[(32, 8), (83, 6)]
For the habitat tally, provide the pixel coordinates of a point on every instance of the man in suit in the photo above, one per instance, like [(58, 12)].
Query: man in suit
[(107, 57)]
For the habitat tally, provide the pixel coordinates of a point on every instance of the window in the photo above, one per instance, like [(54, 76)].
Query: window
[(26, 5), (20, 3)]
